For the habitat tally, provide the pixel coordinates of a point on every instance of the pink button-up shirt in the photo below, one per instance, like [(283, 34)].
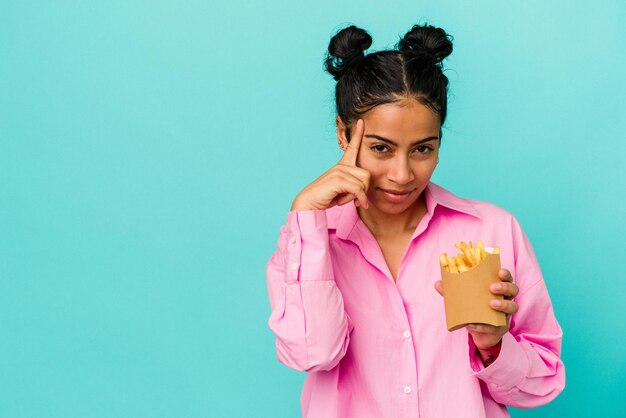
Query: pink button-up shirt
[(375, 347)]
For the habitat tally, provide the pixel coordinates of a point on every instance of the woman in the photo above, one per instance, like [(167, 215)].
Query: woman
[(353, 286)]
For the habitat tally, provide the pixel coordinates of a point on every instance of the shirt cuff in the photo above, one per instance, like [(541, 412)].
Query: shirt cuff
[(509, 369), (308, 252)]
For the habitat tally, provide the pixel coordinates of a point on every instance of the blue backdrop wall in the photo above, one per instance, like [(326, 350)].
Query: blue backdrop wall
[(149, 151)]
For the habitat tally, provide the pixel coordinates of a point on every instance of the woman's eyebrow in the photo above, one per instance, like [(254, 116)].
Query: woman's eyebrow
[(389, 141)]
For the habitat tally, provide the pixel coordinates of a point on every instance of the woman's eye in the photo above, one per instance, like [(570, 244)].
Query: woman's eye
[(379, 148), (423, 149)]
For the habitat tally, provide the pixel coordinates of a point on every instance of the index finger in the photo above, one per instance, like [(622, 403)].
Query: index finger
[(505, 275), (352, 150)]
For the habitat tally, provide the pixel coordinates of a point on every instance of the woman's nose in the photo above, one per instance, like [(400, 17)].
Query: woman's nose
[(400, 171)]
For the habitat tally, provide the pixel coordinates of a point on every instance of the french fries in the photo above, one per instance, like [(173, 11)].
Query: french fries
[(470, 256)]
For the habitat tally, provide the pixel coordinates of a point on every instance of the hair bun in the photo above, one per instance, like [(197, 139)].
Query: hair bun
[(428, 42), (346, 49)]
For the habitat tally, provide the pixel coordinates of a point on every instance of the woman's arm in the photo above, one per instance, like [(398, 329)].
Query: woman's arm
[(528, 371), (308, 317)]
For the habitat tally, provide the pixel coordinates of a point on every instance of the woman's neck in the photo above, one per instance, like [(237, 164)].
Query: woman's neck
[(382, 224)]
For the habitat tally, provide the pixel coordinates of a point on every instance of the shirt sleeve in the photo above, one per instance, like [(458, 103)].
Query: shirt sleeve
[(308, 318), (528, 372)]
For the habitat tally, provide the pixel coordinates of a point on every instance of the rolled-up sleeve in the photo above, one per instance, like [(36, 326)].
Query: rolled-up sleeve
[(308, 317)]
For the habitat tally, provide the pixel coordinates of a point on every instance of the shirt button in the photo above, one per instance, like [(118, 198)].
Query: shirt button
[(494, 386), (293, 240), (294, 266), (407, 389), (407, 334)]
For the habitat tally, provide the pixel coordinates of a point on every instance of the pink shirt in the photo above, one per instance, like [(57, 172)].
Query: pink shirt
[(373, 347)]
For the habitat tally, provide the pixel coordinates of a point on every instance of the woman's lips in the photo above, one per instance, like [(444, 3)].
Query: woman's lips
[(396, 196)]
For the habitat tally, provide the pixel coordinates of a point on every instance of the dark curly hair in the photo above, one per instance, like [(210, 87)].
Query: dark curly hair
[(414, 70)]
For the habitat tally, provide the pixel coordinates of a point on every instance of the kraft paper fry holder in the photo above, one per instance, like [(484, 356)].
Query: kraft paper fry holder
[(466, 295)]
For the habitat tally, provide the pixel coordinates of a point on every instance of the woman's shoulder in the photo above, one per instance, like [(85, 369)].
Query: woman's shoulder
[(478, 215), (479, 208)]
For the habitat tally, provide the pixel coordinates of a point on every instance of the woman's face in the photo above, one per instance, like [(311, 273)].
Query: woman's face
[(400, 149)]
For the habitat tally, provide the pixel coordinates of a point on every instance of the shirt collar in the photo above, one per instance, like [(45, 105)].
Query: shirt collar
[(344, 218), (437, 195)]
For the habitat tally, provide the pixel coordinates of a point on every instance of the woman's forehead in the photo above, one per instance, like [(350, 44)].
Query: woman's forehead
[(405, 121)]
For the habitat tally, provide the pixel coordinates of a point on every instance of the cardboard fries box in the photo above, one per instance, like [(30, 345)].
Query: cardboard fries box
[(466, 295)]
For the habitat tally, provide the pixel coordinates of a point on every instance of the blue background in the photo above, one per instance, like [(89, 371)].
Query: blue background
[(149, 151)]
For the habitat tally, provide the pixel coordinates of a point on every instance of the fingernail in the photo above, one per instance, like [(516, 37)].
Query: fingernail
[(496, 303), (496, 286)]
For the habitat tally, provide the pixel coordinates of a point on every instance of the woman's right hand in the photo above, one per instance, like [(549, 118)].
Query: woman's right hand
[(341, 184)]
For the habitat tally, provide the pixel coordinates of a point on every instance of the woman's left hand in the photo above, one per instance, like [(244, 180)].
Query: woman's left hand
[(487, 337)]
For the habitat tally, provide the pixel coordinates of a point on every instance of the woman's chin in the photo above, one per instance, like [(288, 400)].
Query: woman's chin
[(393, 208)]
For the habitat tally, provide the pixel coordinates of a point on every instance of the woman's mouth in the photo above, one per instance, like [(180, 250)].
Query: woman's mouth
[(397, 196)]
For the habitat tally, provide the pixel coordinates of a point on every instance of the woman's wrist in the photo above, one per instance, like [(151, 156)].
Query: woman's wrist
[(489, 355), (299, 205)]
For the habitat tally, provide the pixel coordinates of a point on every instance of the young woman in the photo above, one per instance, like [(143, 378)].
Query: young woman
[(354, 284)]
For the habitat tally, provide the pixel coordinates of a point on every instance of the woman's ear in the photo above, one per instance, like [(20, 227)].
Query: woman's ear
[(342, 134)]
